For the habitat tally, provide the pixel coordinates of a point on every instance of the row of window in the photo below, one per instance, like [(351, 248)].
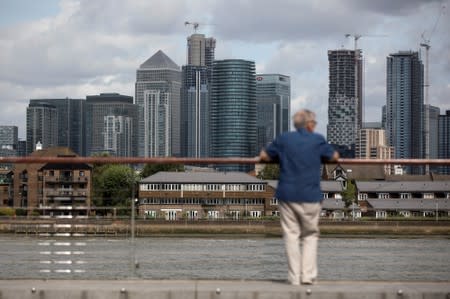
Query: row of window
[(364, 196), (204, 201), (202, 187), (174, 215)]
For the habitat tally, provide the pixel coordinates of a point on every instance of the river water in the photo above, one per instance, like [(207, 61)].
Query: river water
[(21, 257)]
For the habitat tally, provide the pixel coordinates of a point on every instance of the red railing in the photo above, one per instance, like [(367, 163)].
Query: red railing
[(233, 160)]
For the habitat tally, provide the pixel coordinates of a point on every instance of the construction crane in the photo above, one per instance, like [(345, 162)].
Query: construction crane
[(193, 24), (426, 44), (356, 37)]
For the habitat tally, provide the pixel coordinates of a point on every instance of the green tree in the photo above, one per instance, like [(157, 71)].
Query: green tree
[(270, 172), (112, 185), (151, 169), (349, 194)]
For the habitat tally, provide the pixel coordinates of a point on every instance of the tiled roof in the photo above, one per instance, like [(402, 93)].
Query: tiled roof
[(325, 186), (424, 186), (202, 177), (418, 204)]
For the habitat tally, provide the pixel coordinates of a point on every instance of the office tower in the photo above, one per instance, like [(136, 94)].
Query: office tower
[(195, 112), (233, 111), (195, 98), (404, 105), (200, 50), (444, 140), (22, 148), (273, 101), (157, 93), (42, 125), (111, 125), (434, 113), (9, 139), (371, 144), (345, 101), (70, 122)]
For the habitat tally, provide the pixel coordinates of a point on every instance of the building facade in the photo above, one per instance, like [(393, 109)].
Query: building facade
[(404, 105), (233, 111), (71, 120), (53, 190), (157, 93), (371, 144), (345, 102), (200, 50), (204, 195), (111, 125), (42, 125), (9, 141), (444, 141), (273, 96), (195, 112)]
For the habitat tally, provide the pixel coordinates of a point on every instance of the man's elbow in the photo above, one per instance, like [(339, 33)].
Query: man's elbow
[(264, 157), (335, 157)]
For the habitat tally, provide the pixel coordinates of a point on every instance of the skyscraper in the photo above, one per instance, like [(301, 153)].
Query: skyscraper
[(70, 122), (111, 125), (434, 113), (444, 140), (345, 101), (404, 104), (273, 97), (9, 142), (195, 97), (157, 93), (233, 111), (42, 125)]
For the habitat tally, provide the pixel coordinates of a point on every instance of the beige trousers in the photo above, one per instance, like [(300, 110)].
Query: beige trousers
[(300, 225)]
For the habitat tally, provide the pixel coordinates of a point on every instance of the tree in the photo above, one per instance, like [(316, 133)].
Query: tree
[(151, 169), (112, 185), (349, 194), (270, 172)]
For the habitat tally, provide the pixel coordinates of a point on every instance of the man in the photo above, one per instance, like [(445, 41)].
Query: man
[(300, 154)]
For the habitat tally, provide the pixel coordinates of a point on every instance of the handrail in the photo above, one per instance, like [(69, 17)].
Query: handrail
[(176, 160)]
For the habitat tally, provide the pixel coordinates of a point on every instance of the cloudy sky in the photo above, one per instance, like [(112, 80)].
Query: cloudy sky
[(69, 48)]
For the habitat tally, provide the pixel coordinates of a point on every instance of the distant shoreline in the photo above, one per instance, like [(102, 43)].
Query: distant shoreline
[(263, 228)]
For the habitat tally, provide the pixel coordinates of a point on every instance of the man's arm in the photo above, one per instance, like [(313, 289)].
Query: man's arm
[(264, 157), (335, 157)]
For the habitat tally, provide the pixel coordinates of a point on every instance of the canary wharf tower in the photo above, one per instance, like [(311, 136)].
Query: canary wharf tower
[(157, 93)]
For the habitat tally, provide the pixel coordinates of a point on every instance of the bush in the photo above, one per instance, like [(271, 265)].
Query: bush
[(7, 211)]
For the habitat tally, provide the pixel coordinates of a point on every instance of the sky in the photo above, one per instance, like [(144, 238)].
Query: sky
[(74, 48)]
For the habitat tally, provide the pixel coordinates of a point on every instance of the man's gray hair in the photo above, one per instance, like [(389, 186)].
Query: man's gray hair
[(302, 117)]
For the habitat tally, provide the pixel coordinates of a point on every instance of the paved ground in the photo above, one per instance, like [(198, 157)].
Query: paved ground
[(174, 289)]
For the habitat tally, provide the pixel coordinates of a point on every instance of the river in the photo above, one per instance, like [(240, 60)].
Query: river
[(404, 259)]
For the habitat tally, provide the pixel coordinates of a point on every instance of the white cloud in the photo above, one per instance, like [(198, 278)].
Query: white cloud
[(91, 47)]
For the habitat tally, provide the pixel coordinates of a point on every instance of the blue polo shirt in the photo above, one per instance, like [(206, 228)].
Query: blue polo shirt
[(299, 154)]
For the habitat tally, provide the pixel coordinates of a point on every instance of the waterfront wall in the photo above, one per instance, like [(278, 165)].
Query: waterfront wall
[(266, 228), (186, 289)]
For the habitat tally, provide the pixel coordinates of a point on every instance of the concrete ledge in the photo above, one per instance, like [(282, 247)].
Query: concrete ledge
[(215, 289)]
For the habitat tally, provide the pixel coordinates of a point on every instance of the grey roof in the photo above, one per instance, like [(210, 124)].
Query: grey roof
[(325, 186), (331, 204), (424, 186), (358, 172), (202, 177), (160, 61), (417, 204)]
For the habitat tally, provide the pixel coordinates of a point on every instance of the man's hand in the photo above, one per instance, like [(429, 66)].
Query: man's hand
[(264, 157)]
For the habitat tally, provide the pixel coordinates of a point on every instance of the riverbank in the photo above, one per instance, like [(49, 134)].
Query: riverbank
[(267, 228)]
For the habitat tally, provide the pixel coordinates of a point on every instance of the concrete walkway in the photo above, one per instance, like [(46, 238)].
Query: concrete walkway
[(203, 289)]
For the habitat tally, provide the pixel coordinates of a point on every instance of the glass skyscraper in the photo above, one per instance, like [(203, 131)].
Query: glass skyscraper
[(345, 101), (195, 96), (404, 105), (444, 140), (273, 96), (233, 111), (42, 125), (111, 125), (157, 93), (70, 122)]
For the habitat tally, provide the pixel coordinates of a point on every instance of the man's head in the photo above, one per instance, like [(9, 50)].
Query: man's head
[(305, 119)]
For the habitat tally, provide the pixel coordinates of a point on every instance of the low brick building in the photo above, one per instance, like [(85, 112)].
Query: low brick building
[(53, 189), (6, 194), (205, 195)]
